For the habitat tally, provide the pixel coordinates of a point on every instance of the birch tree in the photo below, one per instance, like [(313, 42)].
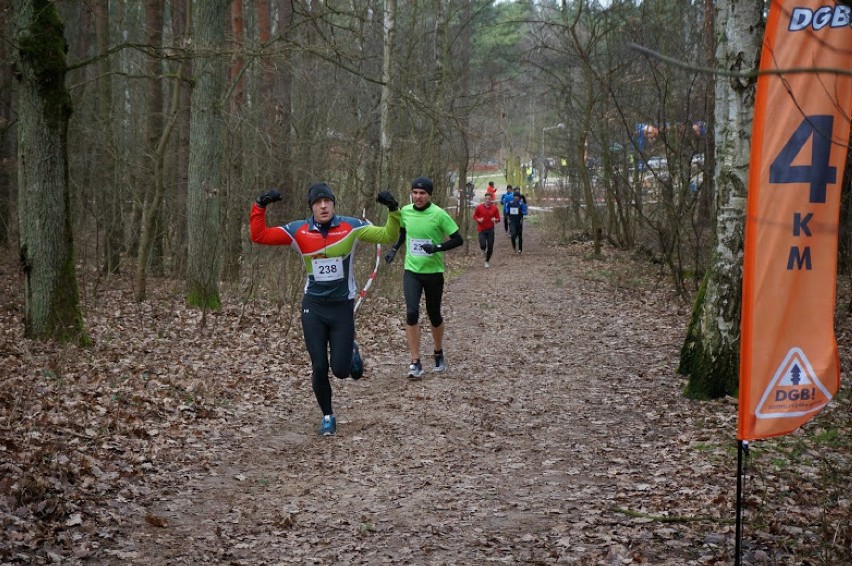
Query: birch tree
[(51, 296), (710, 354), (206, 154)]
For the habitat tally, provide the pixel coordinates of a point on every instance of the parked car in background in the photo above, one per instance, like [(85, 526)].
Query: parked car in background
[(656, 163)]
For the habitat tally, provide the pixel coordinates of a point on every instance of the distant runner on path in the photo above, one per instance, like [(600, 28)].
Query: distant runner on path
[(491, 189), (327, 243), (515, 212), (424, 227), (486, 216), (505, 199)]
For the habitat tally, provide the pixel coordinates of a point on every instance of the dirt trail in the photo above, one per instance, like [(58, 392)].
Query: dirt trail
[(561, 411)]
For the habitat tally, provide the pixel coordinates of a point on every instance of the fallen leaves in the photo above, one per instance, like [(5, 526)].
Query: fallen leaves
[(559, 435), (156, 520)]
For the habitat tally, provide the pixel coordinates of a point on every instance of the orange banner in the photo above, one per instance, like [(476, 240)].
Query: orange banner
[(789, 367)]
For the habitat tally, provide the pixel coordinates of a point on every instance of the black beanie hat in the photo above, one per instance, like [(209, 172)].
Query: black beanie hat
[(424, 183), (318, 191)]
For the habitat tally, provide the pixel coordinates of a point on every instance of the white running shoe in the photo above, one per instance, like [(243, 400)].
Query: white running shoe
[(415, 370)]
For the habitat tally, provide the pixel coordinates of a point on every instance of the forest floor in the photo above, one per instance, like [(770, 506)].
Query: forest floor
[(559, 435)]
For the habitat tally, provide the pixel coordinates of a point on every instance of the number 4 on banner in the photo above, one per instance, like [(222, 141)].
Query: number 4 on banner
[(818, 129)]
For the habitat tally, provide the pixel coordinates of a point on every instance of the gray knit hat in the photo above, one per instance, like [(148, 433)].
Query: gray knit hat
[(424, 183)]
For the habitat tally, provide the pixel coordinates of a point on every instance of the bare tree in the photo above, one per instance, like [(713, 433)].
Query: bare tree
[(385, 102), (206, 152), (108, 193), (234, 214), (52, 303), (462, 145), (283, 97), (156, 138), (7, 133), (181, 16), (155, 129), (710, 354)]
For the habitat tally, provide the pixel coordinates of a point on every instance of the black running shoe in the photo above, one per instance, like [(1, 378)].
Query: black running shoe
[(357, 371)]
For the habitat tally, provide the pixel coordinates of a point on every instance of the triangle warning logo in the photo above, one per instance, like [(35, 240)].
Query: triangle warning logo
[(794, 391)]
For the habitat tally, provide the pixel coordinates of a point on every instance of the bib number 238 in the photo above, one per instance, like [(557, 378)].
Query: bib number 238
[(327, 268)]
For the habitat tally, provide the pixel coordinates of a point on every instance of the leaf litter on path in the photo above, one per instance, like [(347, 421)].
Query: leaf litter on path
[(559, 435)]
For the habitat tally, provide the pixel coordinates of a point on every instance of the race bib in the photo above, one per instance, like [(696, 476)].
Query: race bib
[(415, 246), (327, 268), (514, 210)]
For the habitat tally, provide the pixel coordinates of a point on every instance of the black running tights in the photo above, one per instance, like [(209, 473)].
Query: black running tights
[(486, 243), (328, 325)]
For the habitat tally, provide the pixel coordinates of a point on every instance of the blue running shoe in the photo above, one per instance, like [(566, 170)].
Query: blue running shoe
[(328, 426), (357, 371), (440, 364), (415, 370)]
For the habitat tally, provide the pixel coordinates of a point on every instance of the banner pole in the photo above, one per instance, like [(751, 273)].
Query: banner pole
[(742, 453)]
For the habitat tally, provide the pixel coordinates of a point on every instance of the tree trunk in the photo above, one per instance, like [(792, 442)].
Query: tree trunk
[(463, 214), (710, 353), (7, 145), (844, 264), (152, 218), (235, 209), (431, 154), (182, 33), (284, 103), (588, 192), (385, 102), (153, 129), (108, 193), (154, 121), (206, 153), (705, 205), (52, 303)]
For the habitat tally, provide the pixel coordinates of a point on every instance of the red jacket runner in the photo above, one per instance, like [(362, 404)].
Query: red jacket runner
[(490, 216)]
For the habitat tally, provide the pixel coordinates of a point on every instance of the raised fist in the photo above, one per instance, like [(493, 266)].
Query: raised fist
[(386, 199), (268, 198)]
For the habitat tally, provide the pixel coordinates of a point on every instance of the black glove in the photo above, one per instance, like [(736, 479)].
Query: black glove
[(386, 199), (268, 198), (390, 255), (429, 248)]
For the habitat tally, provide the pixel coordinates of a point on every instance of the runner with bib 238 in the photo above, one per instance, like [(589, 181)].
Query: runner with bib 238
[(327, 244)]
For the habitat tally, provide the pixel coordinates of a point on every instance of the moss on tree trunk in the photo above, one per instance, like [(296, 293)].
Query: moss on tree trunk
[(713, 369), (203, 298), (52, 302)]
